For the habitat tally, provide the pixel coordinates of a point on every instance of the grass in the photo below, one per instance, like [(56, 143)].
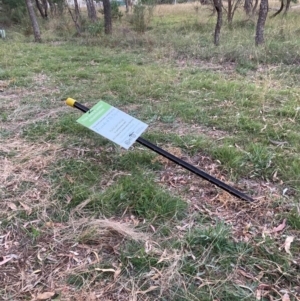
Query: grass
[(90, 220)]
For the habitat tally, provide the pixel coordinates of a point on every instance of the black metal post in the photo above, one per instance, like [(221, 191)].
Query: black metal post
[(180, 162)]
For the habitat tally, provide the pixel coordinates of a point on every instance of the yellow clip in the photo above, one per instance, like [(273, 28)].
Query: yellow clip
[(70, 102)]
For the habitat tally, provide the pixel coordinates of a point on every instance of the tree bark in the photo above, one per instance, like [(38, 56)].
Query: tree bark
[(35, 25), (107, 17), (248, 7), (288, 4), (40, 9), (279, 10), (218, 7), (254, 7), (76, 19), (52, 8), (260, 27), (77, 10), (91, 10), (127, 6), (229, 12), (45, 5)]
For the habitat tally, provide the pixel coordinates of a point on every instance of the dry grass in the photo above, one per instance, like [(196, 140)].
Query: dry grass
[(22, 176), (35, 266)]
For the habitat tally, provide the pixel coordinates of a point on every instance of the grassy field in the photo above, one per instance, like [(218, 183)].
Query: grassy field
[(83, 219)]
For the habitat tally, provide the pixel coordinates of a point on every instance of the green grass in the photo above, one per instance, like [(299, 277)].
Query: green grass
[(232, 110)]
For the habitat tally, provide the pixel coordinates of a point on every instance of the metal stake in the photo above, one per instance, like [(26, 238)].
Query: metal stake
[(177, 160)]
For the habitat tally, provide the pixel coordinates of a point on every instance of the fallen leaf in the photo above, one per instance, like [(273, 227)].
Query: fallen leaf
[(264, 287), (12, 206), (5, 260), (26, 207), (92, 297), (45, 296), (258, 294), (150, 289), (247, 275), (117, 273), (279, 227), (285, 297), (287, 244)]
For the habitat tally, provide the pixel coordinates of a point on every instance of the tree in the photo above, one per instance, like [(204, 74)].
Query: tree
[(45, 5), (248, 4), (218, 7), (231, 9), (91, 10), (254, 7), (33, 19), (107, 17), (76, 17), (260, 27), (77, 10), (40, 8), (282, 5)]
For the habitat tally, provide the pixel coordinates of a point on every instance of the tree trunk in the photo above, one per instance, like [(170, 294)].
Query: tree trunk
[(260, 27), (248, 7), (218, 7), (40, 9), (91, 10), (45, 5), (107, 17), (127, 6), (52, 8), (288, 4), (75, 18), (229, 12), (35, 25), (77, 10), (279, 10), (254, 7)]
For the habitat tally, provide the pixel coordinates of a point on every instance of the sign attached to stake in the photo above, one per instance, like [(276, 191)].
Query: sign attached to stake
[(113, 124), (120, 126)]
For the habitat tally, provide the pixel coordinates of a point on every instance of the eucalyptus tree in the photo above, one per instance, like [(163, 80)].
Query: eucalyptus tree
[(260, 26), (92, 14), (218, 7), (33, 20), (107, 17)]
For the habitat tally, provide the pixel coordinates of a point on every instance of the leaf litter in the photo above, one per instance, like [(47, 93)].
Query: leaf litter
[(37, 256)]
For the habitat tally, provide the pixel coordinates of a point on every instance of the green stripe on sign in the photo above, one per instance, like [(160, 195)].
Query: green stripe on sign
[(94, 114)]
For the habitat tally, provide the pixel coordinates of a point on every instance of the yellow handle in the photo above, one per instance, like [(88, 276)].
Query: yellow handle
[(70, 102)]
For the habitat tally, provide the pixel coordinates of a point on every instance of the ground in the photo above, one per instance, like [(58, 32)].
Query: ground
[(82, 219)]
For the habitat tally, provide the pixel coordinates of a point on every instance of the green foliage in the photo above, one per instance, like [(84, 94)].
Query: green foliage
[(13, 3), (115, 10), (60, 6), (95, 28), (12, 12), (141, 17)]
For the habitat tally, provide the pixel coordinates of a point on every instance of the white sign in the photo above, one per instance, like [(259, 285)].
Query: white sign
[(113, 124)]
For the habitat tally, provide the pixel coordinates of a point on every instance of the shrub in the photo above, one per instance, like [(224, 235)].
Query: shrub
[(115, 11), (141, 17)]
